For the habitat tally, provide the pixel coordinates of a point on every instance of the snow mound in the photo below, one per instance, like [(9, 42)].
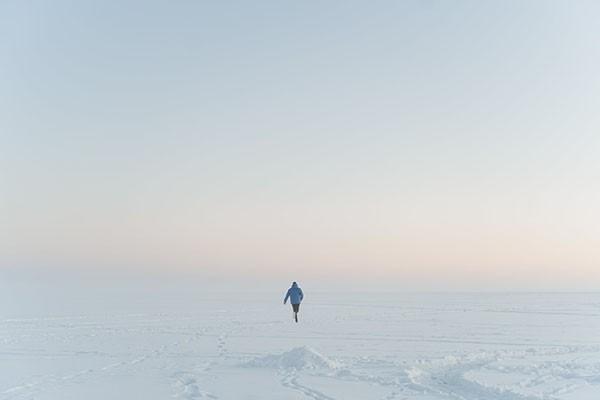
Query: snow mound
[(298, 358)]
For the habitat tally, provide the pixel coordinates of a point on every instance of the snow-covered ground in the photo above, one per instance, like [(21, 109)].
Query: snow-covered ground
[(346, 346)]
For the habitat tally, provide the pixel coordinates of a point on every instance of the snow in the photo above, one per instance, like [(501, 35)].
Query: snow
[(298, 358), (195, 345)]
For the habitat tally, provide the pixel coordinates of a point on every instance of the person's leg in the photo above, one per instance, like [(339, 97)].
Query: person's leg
[(296, 307)]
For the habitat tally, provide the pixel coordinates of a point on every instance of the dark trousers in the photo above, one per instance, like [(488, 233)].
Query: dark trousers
[(296, 307)]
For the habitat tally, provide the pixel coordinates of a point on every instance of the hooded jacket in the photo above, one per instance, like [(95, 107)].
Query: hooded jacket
[(294, 294)]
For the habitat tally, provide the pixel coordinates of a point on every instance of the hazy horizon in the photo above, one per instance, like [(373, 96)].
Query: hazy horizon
[(417, 145)]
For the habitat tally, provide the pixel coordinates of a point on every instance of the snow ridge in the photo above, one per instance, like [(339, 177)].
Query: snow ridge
[(299, 358)]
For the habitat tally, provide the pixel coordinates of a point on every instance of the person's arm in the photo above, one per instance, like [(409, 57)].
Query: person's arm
[(301, 295), (287, 295)]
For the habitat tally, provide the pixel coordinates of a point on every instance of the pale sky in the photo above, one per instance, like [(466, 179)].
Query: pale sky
[(425, 144)]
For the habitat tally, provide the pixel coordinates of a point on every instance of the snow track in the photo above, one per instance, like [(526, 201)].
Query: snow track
[(290, 379)]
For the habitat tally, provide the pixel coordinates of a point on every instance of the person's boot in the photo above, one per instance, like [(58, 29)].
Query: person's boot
[(296, 316)]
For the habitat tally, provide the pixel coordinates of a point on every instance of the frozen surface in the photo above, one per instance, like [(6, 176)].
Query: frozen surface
[(346, 346)]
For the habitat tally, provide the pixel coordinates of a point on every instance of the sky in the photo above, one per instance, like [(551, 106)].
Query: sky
[(411, 145)]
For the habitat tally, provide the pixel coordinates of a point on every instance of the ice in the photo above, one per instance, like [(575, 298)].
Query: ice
[(197, 344)]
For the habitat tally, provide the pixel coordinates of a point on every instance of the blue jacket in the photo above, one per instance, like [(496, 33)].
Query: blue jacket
[(294, 294)]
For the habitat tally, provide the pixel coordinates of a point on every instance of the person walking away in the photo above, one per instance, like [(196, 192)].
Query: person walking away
[(296, 296)]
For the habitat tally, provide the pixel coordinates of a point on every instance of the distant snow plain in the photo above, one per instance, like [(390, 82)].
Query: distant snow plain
[(500, 346)]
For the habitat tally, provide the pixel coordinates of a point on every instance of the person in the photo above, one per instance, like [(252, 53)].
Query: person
[(296, 296)]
